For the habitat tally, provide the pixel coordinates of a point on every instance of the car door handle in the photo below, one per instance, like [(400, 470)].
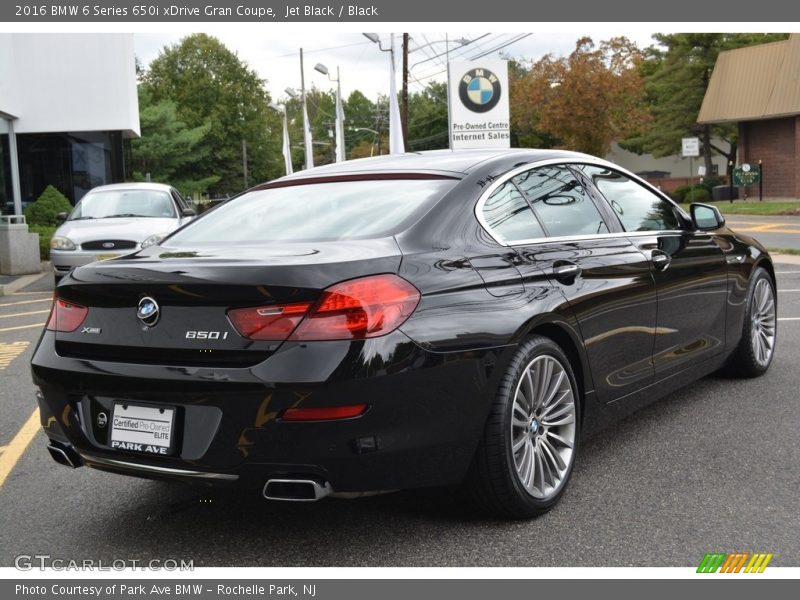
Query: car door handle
[(566, 272), (660, 260)]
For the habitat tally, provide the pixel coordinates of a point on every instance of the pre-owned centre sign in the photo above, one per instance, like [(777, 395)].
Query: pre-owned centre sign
[(478, 96)]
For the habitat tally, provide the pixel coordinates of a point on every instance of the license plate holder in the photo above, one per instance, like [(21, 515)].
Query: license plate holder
[(144, 429)]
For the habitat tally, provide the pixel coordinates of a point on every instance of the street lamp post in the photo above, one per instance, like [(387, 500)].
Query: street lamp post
[(396, 145), (377, 136), (286, 147), (306, 125), (340, 147)]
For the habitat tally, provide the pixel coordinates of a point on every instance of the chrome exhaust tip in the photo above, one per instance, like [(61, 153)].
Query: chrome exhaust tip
[(296, 490), (64, 455)]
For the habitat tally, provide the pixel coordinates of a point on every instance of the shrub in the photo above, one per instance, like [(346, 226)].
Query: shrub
[(46, 207), (713, 181), (698, 194), (679, 192), (45, 235)]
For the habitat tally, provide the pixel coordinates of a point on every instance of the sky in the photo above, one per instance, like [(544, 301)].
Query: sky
[(275, 55)]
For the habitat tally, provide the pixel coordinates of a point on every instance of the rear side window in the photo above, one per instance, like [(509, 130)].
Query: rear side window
[(638, 208), (560, 202), (508, 215), (336, 210)]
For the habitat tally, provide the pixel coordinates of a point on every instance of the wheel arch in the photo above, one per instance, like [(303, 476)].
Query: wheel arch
[(766, 263), (572, 346)]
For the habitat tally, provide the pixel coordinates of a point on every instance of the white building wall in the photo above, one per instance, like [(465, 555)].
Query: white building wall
[(69, 82), (676, 166)]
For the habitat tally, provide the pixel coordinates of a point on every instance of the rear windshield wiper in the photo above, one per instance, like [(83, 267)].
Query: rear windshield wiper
[(79, 218)]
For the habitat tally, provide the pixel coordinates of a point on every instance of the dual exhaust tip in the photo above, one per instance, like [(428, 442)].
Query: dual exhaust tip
[(296, 490), (287, 490), (65, 455)]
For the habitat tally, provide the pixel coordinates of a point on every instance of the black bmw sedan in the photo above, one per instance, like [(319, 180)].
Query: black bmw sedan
[(416, 320)]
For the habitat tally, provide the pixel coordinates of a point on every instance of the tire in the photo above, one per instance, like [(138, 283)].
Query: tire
[(525, 458), (756, 348)]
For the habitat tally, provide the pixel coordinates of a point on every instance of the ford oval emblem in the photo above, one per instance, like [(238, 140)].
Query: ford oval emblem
[(108, 244), (148, 312)]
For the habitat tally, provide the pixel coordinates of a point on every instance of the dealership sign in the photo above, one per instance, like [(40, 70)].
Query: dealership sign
[(478, 96)]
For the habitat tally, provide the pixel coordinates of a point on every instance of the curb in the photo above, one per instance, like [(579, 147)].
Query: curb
[(24, 281)]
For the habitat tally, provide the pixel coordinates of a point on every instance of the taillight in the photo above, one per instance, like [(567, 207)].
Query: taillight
[(352, 310), (269, 323), (66, 316), (360, 308)]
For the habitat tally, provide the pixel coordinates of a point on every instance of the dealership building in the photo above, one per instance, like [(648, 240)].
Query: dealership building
[(67, 102), (758, 87)]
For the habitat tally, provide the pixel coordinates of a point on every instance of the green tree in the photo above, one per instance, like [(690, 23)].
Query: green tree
[(427, 118), (359, 112), (212, 87), (168, 150), (677, 75)]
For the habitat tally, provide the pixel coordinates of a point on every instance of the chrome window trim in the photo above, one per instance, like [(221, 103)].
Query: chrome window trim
[(575, 160)]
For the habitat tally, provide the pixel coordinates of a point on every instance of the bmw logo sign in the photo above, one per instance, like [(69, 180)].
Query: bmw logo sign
[(479, 90), (148, 311)]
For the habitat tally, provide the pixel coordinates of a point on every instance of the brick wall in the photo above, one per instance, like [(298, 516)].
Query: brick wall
[(776, 142)]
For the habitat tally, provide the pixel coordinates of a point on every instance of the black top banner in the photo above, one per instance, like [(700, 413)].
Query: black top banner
[(380, 11)]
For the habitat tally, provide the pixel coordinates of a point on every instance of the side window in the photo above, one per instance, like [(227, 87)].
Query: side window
[(179, 200), (560, 202), (638, 208), (509, 216)]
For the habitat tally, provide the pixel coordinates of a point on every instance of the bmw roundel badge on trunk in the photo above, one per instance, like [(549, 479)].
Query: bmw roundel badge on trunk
[(479, 90), (148, 312)]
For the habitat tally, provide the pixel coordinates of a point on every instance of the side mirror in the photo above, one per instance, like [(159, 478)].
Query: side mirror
[(706, 217), (61, 217), (188, 212)]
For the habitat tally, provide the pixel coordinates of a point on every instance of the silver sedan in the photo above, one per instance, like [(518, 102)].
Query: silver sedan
[(113, 220)]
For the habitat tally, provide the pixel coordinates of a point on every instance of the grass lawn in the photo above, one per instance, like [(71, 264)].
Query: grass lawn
[(793, 251), (754, 207)]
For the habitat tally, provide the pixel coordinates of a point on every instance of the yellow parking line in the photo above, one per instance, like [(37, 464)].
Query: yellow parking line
[(22, 327), (8, 352), (25, 314), (26, 302), (15, 449), (2, 448)]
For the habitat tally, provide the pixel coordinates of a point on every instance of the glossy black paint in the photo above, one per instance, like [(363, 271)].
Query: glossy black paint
[(633, 330)]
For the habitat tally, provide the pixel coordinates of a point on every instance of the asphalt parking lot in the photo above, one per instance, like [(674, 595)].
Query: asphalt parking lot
[(714, 467)]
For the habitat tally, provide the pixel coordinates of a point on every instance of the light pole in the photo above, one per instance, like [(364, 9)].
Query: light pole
[(396, 145), (377, 136), (306, 125), (286, 147), (340, 148)]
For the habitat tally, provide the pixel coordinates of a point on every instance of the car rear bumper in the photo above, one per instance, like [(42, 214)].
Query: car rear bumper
[(426, 412)]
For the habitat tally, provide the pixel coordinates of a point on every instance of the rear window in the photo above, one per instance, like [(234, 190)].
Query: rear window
[(337, 210)]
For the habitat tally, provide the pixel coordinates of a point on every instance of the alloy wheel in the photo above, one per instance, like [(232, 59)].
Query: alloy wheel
[(543, 427)]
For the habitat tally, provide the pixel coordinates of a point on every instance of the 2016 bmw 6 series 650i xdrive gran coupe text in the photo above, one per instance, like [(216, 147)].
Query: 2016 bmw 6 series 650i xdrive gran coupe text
[(397, 322)]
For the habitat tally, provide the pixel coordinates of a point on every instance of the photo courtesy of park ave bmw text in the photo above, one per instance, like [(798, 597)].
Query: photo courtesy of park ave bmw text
[(455, 300)]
